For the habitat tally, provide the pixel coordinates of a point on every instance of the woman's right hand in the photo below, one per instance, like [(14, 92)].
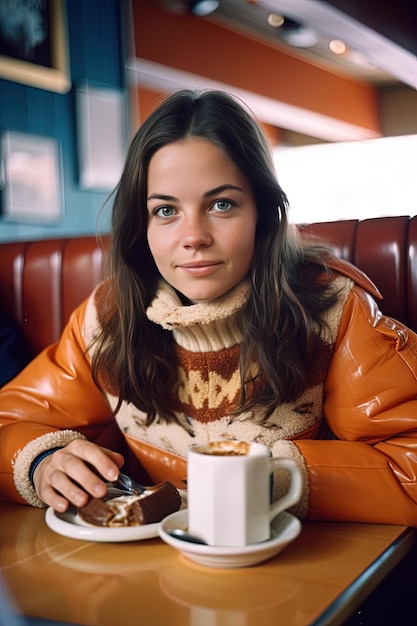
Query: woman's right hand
[(59, 477)]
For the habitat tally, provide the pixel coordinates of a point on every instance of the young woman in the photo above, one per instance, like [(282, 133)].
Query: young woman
[(217, 321)]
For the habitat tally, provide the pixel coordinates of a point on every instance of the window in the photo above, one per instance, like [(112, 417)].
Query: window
[(349, 180)]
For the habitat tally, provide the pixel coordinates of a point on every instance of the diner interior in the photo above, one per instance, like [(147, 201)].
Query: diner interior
[(334, 85)]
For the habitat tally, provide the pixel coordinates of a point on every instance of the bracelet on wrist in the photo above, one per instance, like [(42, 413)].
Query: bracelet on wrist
[(39, 459)]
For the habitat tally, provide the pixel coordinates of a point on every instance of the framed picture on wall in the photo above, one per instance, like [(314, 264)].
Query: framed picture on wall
[(33, 44), (101, 135), (31, 180)]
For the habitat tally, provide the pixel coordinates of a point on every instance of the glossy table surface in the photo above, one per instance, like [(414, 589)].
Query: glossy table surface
[(320, 578)]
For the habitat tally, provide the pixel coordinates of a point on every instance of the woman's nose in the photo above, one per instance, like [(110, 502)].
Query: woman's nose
[(196, 233)]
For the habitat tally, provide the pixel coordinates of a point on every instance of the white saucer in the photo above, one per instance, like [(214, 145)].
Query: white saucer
[(284, 529)]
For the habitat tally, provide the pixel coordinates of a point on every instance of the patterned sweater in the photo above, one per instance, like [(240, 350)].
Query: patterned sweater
[(207, 343)]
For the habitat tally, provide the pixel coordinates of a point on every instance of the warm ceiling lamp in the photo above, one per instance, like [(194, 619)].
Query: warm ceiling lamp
[(204, 7), (337, 46), (275, 20)]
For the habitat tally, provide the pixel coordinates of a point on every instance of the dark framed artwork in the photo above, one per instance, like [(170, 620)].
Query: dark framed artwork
[(33, 44)]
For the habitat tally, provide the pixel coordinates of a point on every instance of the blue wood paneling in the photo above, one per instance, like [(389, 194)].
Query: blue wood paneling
[(95, 54)]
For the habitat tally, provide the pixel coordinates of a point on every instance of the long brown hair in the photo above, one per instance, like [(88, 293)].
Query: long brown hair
[(135, 357)]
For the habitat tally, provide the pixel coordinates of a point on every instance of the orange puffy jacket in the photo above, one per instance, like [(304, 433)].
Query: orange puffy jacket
[(366, 473)]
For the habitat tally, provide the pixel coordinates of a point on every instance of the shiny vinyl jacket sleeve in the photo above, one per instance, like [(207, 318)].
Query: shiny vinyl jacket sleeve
[(54, 392), (367, 470)]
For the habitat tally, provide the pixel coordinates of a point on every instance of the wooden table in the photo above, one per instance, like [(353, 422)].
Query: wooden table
[(321, 578)]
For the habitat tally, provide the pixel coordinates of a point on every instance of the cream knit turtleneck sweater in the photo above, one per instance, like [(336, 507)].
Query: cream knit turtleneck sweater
[(207, 339)]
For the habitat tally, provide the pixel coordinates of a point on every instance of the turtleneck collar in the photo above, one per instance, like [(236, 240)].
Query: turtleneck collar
[(208, 326)]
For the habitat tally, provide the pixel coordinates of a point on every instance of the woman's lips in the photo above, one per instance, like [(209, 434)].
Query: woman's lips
[(202, 268)]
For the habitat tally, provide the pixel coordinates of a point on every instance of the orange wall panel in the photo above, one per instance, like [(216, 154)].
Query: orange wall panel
[(147, 101), (205, 48)]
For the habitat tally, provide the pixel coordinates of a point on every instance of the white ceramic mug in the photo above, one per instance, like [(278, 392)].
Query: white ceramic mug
[(228, 484)]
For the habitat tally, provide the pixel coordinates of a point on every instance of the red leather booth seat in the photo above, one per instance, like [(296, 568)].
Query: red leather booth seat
[(385, 248), (41, 282)]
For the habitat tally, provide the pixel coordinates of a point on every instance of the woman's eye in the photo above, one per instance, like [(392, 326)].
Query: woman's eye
[(223, 205), (164, 211)]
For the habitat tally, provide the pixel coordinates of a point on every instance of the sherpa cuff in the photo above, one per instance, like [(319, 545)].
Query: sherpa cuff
[(285, 448), (25, 458)]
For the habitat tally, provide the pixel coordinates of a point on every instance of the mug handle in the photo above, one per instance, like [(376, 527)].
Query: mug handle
[(296, 486)]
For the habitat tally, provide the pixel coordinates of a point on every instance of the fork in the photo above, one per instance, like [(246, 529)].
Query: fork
[(126, 484)]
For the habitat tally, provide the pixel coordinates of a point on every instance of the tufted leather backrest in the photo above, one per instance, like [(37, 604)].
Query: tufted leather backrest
[(41, 282), (385, 248)]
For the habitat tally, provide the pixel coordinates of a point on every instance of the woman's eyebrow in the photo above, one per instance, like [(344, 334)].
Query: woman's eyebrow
[(221, 188), (161, 196), (210, 192)]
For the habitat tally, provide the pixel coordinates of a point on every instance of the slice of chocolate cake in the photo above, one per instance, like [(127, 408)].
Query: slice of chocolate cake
[(147, 508)]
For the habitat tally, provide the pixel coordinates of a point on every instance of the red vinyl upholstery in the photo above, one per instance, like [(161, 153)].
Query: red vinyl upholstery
[(385, 248), (41, 282)]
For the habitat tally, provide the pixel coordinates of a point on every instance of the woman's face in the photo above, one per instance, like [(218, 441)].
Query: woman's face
[(201, 219)]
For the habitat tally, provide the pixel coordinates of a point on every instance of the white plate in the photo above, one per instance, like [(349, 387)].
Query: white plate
[(71, 525), (284, 529)]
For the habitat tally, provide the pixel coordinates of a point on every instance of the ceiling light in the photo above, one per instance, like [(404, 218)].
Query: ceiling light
[(275, 20), (337, 46), (204, 7)]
